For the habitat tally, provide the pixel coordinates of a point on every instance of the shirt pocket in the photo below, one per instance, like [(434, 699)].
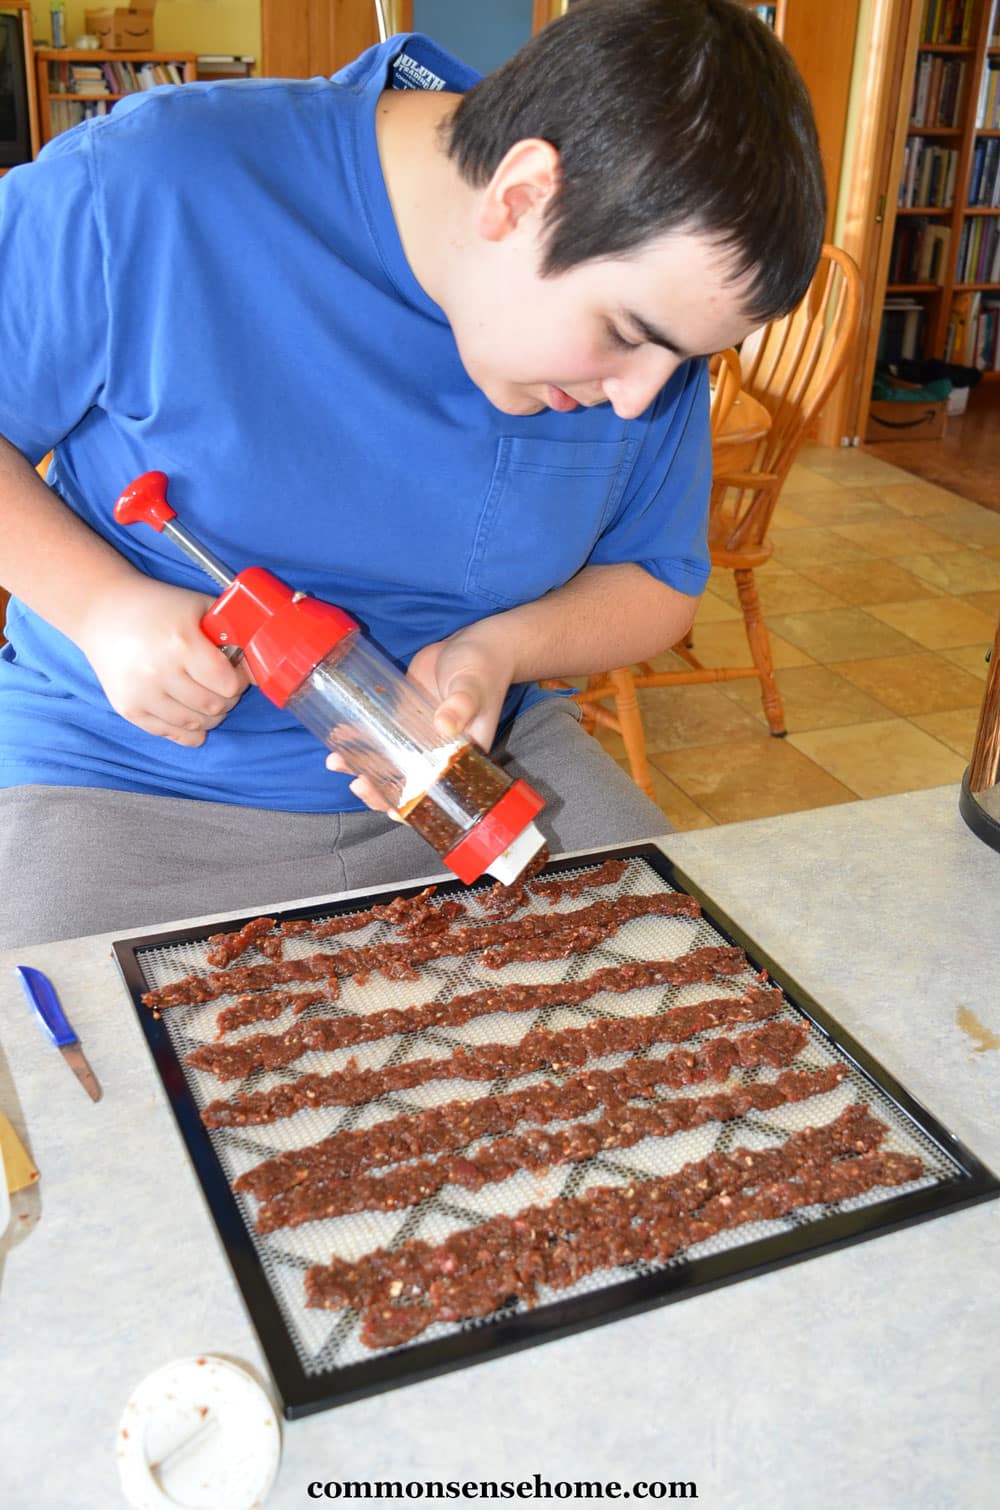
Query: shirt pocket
[(547, 506)]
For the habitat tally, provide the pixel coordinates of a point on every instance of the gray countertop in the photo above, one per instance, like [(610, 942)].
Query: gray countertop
[(865, 1377)]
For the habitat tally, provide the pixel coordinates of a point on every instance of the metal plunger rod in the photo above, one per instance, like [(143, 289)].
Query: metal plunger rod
[(199, 554)]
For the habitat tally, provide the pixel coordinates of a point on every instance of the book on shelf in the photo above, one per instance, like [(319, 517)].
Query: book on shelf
[(984, 177), (979, 251), (66, 113), (985, 341), (947, 22), (988, 106), (937, 90), (974, 331), (919, 251), (224, 65), (928, 175), (86, 78), (901, 330)]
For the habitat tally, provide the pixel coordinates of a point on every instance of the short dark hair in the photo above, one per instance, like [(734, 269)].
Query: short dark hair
[(666, 114)]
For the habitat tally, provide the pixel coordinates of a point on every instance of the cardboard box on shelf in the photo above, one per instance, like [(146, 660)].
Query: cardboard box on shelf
[(123, 28)]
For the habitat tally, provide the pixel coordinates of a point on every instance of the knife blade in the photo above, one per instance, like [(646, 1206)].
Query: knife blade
[(42, 995)]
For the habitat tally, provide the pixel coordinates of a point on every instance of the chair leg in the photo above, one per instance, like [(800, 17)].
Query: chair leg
[(630, 722), (760, 649), (588, 721)]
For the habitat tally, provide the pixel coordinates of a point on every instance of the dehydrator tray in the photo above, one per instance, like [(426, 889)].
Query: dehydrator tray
[(320, 1357)]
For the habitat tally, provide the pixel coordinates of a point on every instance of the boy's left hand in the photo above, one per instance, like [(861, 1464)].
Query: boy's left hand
[(467, 677)]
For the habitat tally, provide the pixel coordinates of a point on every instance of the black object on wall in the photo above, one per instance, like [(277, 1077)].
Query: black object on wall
[(15, 133)]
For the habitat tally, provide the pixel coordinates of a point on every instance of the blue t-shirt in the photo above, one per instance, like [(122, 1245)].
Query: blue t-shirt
[(210, 282)]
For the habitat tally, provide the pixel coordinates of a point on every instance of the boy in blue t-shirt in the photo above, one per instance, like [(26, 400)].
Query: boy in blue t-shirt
[(427, 347)]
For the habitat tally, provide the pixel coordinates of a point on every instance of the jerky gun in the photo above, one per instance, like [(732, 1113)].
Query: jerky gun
[(310, 657)]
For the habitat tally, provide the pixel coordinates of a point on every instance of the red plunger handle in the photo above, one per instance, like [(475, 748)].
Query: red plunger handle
[(145, 502)]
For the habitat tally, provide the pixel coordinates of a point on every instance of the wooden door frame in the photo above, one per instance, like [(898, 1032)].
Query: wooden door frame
[(305, 38), (882, 84)]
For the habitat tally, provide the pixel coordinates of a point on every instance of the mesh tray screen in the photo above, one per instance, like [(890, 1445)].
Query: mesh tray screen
[(327, 1341)]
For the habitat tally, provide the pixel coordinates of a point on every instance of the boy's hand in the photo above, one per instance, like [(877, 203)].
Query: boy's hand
[(467, 677), (156, 666)]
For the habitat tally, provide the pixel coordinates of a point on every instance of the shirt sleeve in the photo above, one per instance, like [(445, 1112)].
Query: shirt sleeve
[(662, 521), (53, 302)]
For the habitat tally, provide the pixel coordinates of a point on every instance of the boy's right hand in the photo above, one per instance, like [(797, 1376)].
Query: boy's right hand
[(157, 667)]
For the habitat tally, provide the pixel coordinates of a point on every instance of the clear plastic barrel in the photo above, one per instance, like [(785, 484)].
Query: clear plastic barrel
[(382, 726)]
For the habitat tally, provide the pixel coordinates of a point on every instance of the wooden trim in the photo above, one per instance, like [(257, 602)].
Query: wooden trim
[(821, 39), (883, 88), (544, 11)]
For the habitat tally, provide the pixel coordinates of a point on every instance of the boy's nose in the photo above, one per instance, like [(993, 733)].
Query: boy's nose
[(632, 390)]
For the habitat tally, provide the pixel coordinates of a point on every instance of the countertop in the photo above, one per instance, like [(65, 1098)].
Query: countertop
[(867, 1377)]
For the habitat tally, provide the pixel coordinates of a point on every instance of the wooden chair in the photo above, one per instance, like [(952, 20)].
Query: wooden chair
[(790, 367)]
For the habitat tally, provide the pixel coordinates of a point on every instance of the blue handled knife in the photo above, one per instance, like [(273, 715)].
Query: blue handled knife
[(42, 994)]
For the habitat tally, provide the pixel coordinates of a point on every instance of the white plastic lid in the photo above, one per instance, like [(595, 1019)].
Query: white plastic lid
[(509, 864), (199, 1433)]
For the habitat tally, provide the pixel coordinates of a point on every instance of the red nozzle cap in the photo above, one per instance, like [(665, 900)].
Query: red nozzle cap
[(145, 502), (284, 634), (508, 817)]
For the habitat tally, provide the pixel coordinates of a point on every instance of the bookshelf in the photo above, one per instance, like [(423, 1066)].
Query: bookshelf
[(941, 291), (76, 84)]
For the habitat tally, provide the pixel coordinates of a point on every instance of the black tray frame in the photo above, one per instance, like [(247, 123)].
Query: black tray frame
[(302, 1394)]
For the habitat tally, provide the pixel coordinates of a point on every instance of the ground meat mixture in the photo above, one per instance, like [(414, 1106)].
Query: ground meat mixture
[(465, 791), (503, 901), (412, 915), (540, 1049), (363, 1282), (558, 887), (263, 1005), (225, 947), (622, 1126), (568, 1262), (458, 1123), (231, 1061), (475, 1271), (576, 931), (448, 1128)]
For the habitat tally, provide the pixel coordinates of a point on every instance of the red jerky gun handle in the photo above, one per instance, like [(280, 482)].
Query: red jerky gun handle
[(284, 634)]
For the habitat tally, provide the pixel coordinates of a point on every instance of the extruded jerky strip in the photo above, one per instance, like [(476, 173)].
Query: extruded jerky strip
[(411, 914), (225, 947), (263, 1005), (624, 1125), (587, 925), (446, 1128), (408, 913), (453, 1125), (231, 1061), (416, 1265), (542, 1048), (537, 1148), (502, 901), (557, 887), (398, 961), (663, 1237)]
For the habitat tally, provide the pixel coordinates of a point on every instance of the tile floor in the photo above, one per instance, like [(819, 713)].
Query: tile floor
[(881, 601)]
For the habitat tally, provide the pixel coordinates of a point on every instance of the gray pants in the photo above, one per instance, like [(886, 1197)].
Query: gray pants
[(79, 860)]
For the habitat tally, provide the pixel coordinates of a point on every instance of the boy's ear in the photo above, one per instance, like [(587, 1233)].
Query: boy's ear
[(524, 182)]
